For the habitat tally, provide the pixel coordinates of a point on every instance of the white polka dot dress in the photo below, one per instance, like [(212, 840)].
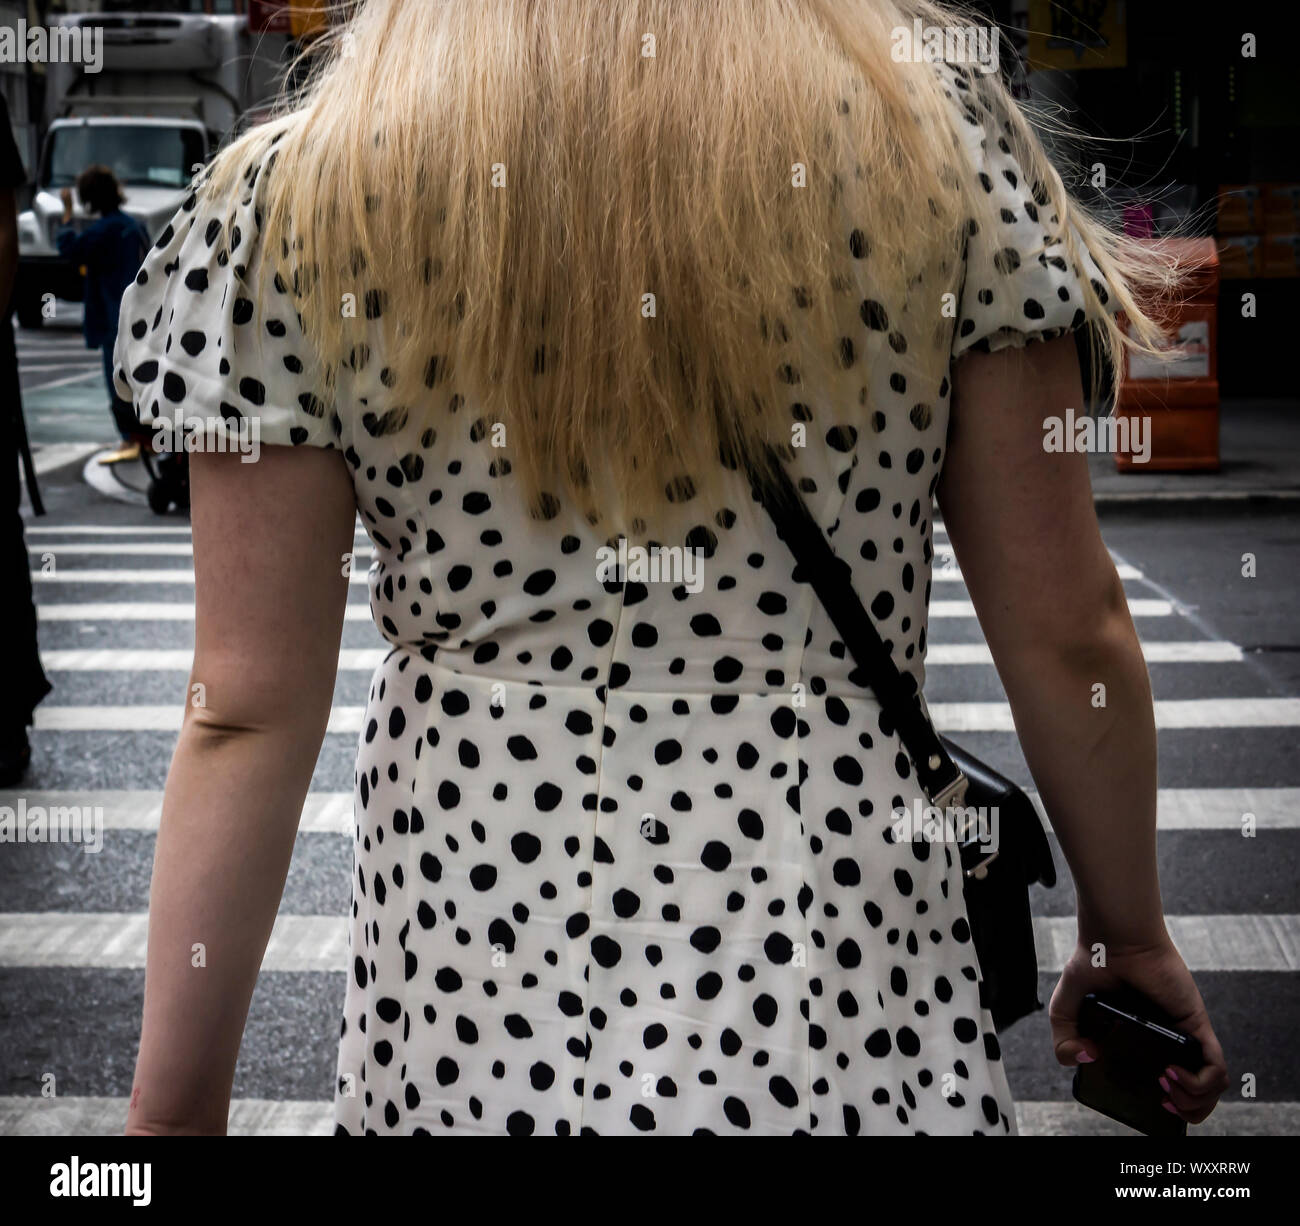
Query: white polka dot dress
[(624, 859)]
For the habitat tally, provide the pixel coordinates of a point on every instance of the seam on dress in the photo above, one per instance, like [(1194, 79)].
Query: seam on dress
[(591, 889)]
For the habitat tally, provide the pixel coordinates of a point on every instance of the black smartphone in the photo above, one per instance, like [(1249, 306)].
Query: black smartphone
[(1137, 1041)]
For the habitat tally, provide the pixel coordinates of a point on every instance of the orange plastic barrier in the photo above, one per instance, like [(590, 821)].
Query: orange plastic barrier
[(1174, 405)]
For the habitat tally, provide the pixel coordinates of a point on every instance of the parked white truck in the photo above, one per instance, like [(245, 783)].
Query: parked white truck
[(173, 88)]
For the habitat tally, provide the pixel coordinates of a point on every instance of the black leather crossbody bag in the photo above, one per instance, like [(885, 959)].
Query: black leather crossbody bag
[(996, 873)]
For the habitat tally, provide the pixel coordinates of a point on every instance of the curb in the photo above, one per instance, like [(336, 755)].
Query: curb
[(102, 479), (1185, 499)]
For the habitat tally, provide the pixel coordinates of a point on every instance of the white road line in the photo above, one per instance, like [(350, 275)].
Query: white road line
[(117, 941), (940, 574), (81, 378), (1136, 607), (331, 812), (1226, 808), (56, 455), (156, 549), (1178, 713), (322, 812), (1206, 942), (147, 659), (1071, 1119), (156, 575), (948, 716), (89, 1117), (165, 611), (142, 718), (946, 565), (103, 530), (68, 1116), (71, 611), (164, 660), (37, 368), (1212, 652), (124, 576), (116, 529), (1218, 808), (938, 608)]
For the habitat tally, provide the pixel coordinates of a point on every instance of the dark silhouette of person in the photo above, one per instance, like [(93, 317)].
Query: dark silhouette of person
[(112, 249), (25, 681)]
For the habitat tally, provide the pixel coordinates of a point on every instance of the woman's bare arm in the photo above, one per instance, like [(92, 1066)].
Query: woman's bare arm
[(269, 540), (1050, 603)]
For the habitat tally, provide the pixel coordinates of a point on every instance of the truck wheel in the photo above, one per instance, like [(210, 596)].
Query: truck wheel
[(29, 313)]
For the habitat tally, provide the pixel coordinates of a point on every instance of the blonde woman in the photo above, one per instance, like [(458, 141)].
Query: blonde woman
[(523, 285)]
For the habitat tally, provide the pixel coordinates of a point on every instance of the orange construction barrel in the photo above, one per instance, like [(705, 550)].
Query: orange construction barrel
[(1173, 406)]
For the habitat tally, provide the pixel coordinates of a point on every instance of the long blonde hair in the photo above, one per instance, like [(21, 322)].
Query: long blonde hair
[(617, 225)]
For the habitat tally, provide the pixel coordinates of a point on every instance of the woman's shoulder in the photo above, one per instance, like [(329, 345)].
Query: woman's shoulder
[(208, 330)]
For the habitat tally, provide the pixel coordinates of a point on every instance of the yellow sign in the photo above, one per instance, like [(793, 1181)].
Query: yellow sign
[(1077, 34), (308, 17)]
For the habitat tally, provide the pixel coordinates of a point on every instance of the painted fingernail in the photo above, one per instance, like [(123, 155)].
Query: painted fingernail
[(1173, 1076), (1164, 1085), (1168, 1106), (1084, 1058)]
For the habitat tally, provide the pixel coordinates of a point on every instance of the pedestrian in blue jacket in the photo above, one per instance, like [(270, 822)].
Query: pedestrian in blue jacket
[(112, 249)]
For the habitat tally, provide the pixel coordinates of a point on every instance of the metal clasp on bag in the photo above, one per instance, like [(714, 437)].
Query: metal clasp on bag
[(981, 870), (952, 796)]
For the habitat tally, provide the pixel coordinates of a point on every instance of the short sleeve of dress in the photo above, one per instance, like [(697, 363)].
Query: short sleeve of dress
[(1020, 281), (192, 350)]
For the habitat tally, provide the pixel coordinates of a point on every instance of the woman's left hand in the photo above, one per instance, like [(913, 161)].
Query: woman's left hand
[(66, 196)]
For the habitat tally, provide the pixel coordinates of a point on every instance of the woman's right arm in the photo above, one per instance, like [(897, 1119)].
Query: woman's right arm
[(269, 543), (1024, 530)]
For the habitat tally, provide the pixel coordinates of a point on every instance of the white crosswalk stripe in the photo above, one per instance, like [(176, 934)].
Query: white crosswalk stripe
[(105, 1117), (1205, 652), (320, 942), (44, 530), (146, 611), (124, 611), (1137, 606), (148, 549), (56, 455), (1235, 809), (163, 660), (949, 717), (945, 569), (154, 659), (151, 575), (167, 530), (1171, 713)]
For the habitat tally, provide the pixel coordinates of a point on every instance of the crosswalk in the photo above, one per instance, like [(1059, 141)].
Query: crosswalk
[(116, 622)]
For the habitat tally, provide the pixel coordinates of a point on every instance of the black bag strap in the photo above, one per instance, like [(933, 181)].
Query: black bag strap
[(831, 578)]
